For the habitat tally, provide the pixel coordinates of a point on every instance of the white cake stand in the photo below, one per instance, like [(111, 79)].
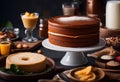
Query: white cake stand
[(73, 56)]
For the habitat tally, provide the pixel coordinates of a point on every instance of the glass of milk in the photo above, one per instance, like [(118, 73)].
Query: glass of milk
[(70, 8)]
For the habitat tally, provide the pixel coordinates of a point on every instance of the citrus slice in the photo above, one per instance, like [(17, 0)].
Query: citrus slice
[(89, 77), (84, 71), (92, 78)]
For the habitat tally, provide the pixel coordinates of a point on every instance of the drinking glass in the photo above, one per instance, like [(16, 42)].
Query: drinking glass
[(5, 47), (29, 22), (70, 8)]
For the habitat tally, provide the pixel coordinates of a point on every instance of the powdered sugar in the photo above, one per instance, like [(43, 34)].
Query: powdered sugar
[(74, 18)]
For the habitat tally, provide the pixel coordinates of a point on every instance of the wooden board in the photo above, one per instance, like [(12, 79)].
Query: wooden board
[(111, 73), (32, 46)]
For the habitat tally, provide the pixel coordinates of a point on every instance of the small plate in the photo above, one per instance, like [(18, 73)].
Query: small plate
[(33, 76)]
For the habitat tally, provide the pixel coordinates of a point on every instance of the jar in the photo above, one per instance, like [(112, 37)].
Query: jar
[(96, 8), (43, 29)]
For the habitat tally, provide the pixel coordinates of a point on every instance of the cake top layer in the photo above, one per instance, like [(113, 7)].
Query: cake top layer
[(73, 20)]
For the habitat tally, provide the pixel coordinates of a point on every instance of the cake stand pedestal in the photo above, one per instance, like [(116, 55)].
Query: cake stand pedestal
[(73, 56)]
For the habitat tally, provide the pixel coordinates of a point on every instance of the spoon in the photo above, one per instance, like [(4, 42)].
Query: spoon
[(64, 77)]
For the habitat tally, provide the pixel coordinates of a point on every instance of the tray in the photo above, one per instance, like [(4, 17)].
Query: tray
[(27, 77), (32, 46)]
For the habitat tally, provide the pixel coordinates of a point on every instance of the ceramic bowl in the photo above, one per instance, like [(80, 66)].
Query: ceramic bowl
[(100, 74)]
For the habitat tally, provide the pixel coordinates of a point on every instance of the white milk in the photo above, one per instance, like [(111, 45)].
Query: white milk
[(113, 15)]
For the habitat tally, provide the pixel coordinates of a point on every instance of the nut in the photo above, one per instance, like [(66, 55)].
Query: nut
[(25, 46), (39, 51), (19, 46)]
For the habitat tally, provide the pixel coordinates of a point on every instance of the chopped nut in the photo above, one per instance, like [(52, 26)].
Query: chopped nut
[(39, 51), (113, 41)]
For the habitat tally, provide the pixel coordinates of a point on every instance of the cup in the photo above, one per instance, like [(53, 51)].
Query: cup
[(71, 8), (5, 47), (113, 15), (29, 21)]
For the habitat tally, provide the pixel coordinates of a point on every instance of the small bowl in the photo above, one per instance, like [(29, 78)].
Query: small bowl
[(99, 73)]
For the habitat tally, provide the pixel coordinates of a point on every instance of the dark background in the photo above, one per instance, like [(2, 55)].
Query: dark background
[(11, 9)]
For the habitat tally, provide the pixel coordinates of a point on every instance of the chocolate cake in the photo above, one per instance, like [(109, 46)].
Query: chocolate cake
[(73, 31)]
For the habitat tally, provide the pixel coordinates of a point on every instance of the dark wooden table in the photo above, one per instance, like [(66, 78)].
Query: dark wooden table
[(56, 56)]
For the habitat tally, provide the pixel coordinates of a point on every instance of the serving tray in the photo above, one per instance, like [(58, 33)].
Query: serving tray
[(32, 46)]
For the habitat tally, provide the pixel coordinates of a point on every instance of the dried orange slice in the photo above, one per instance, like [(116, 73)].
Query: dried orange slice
[(84, 71), (89, 77)]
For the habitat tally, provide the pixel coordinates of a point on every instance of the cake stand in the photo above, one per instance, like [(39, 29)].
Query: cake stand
[(73, 56)]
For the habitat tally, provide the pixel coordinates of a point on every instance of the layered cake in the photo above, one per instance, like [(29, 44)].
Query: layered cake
[(73, 31), (27, 61)]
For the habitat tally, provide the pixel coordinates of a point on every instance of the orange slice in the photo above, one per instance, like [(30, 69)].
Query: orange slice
[(89, 77), (84, 71)]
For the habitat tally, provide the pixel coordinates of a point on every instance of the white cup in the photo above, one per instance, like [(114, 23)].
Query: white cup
[(113, 15)]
